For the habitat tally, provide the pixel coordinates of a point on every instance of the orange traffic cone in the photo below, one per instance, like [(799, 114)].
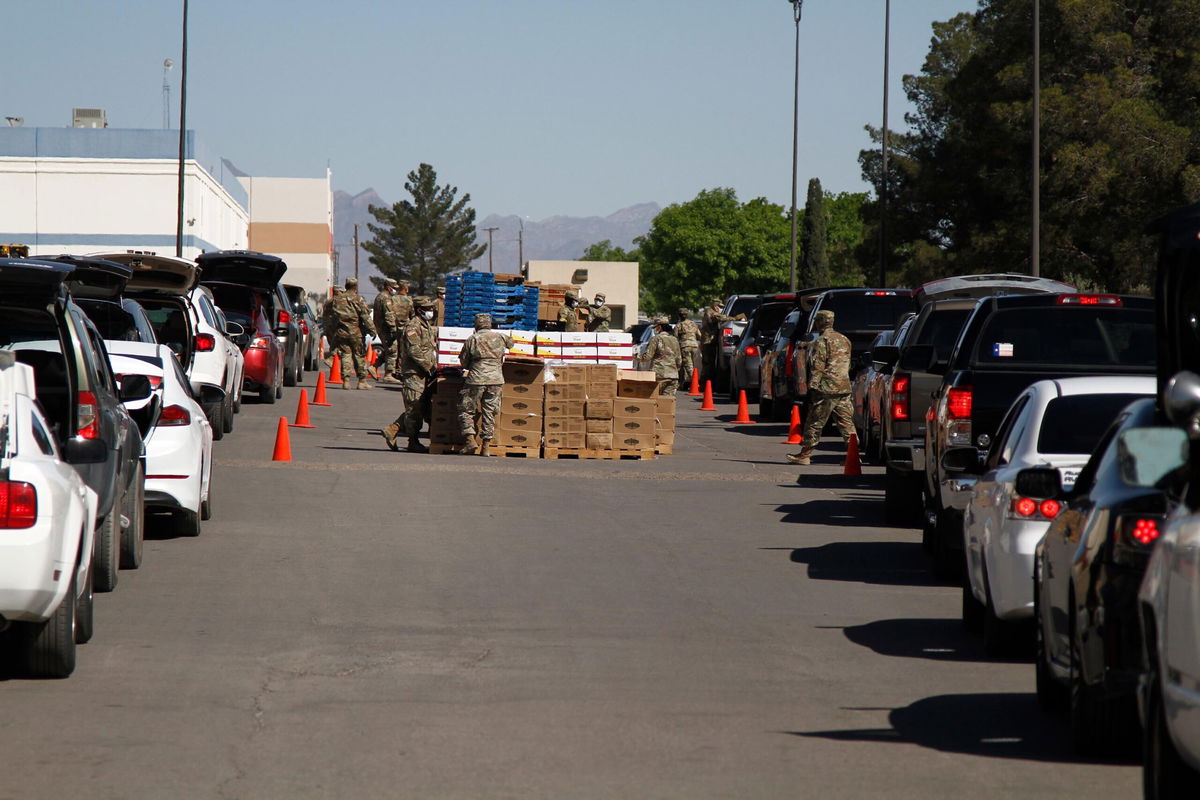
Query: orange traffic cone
[(853, 462), (283, 446), (694, 391), (743, 414), (370, 355), (319, 398), (794, 436), (302, 420), (335, 370), (707, 405)]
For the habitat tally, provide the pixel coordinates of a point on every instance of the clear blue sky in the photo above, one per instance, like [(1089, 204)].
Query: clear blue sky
[(535, 107)]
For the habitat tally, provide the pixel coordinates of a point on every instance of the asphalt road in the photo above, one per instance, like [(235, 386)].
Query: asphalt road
[(363, 623)]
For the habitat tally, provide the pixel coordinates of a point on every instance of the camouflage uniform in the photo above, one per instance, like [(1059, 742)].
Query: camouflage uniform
[(396, 314), (601, 316), (665, 358), (569, 318), (387, 336), (347, 321), (710, 337), (688, 334), (418, 364), (482, 356), (439, 310), (828, 387)]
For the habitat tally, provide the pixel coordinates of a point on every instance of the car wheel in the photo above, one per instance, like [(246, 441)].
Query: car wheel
[(206, 503), (237, 400), (187, 523), (84, 609), (47, 649), (216, 420), (1001, 637), (279, 389), (133, 534), (972, 609), (107, 557), (1165, 775), (901, 498), (1051, 695), (289, 374), (1091, 715), (227, 413)]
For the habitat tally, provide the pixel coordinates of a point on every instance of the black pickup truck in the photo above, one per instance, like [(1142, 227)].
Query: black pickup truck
[(1006, 344)]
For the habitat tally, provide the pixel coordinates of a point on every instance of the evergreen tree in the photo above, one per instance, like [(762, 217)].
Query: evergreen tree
[(424, 239), (814, 258)]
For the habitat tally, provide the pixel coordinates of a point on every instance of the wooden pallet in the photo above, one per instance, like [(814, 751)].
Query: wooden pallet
[(442, 449), (513, 451), (664, 449), (584, 453)]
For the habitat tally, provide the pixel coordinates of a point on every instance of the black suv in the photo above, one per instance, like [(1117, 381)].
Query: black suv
[(79, 395), (310, 326)]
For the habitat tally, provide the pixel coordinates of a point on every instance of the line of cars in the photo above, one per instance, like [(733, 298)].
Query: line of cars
[(117, 373)]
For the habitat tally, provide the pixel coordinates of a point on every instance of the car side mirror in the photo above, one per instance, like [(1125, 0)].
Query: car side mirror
[(134, 387), (886, 354), (234, 329), (1039, 483), (962, 460), (1181, 399), (85, 451), (917, 358), (1147, 455)]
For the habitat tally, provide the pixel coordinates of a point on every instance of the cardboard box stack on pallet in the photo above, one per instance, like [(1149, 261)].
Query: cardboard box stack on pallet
[(587, 416), (519, 426), (444, 432), (551, 297)]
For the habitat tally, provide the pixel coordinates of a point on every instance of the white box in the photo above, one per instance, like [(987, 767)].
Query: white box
[(581, 337), (523, 337), (448, 360), (573, 351), (621, 363), (546, 351), (552, 338), (581, 360), (614, 338), (522, 349), (455, 334), (605, 351), (450, 346)]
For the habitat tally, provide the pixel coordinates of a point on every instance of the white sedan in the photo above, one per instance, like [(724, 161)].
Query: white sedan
[(1052, 423), (179, 444), (47, 517)]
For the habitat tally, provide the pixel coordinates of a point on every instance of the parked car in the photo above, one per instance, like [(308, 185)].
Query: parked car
[(867, 392), (48, 519), (1006, 344), (97, 286), (179, 445), (310, 326), (80, 400), (756, 336), (778, 382), (184, 320), (731, 332)]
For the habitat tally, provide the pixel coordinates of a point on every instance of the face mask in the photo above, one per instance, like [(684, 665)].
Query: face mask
[(427, 314), (597, 303)]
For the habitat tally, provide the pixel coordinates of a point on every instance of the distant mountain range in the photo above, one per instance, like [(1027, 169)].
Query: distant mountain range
[(555, 238)]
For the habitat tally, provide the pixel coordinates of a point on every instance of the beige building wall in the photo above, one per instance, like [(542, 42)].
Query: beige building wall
[(293, 218), (618, 280)]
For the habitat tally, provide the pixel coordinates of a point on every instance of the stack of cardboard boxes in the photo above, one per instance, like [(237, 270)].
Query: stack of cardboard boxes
[(551, 297), (519, 424), (444, 431)]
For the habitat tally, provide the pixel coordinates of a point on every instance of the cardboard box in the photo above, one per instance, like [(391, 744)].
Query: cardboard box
[(665, 437), (602, 374), (564, 408), (444, 402), (519, 371), (665, 423), (569, 441), (454, 334), (443, 419), (615, 338), (449, 386), (519, 422), (599, 409), (598, 426), (446, 436), (637, 385), (619, 363), (448, 360), (522, 403), (578, 351), (629, 407), (513, 438), (602, 391), (547, 351), (568, 373), (450, 346), (623, 425), (565, 391), (522, 349), (664, 405), (604, 351), (578, 338), (528, 390), (549, 338), (564, 424), (523, 337), (633, 441), (599, 441)]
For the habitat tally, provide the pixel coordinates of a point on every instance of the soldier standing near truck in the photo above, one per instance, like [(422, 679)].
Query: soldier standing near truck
[(828, 387), (710, 338), (688, 334)]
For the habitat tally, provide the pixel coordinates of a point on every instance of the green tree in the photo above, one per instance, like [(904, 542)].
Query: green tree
[(814, 261), (844, 234), (424, 239), (606, 251), (714, 246)]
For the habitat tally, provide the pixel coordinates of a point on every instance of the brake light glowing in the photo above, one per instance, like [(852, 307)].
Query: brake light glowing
[(879, 294), (1024, 506), (260, 343), (284, 318), (304, 326), (87, 421), (18, 504), (1049, 508), (727, 332), (1028, 508), (205, 342), (958, 405), (751, 350), (900, 385), (1142, 530), (173, 415), (1089, 300), (789, 365)]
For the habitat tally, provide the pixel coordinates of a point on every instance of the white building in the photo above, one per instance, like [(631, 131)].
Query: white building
[(617, 280), (293, 219)]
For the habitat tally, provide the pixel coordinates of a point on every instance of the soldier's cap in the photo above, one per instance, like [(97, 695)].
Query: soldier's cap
[(661, 321), (423, 301), (685, 312), (392, 282), (441, 290), (404, 284), (351, 282), (823, 316), (716, 301), (601, 296), (483, 321), (337, 290)]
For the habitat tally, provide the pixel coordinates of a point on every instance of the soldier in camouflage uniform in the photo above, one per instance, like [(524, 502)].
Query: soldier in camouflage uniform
[(387, 336), (439, 312), (569, 316), (828, 386), (396, 314), (663, 354), (688, 334), (418, 366), (710, 338), (601, 315), (483, 357), (347, 322)]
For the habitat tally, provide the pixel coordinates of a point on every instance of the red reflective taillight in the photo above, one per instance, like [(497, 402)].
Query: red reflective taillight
[(304, 326), (1049, 508), (18, 504), (1142, 530), (751, 350), (900, 385), (260, 343), (284, 318), (958, 404), (205, 342), (1028, 508), (87, 422), (1089, 300), (789, 365), (174, 415)]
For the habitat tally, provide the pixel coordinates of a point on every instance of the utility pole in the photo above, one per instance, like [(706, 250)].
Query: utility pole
[(356, 251), (182, 134), (797, 8), (490, 231), (521, 246), (1035, 238), (883, 182)]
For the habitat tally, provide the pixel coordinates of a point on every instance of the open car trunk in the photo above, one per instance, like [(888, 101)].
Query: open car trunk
[(155, 273), (245, 267)]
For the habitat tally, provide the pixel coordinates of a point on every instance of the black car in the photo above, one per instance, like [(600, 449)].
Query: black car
[(310, 326), (756, 337), (78, 393)]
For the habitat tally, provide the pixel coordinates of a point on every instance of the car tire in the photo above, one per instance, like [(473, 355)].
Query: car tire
[(85, 624), (267, 395), (901, 498), (216, 421), (766, 409), (972, 610), (133, 534), (279, 391), (289, 375), (108, 556), (1001, 638), (237, 400), (206, 503), (1092, 715), (47, 649), (1051, 695), (227, 413), (1165, 775), (187, 523)]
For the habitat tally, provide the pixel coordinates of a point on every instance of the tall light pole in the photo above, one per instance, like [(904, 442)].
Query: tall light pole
[(490, 231), (797, 8), (521, 245), (1035, 237), (182, 133), (883, 180), (166, 92)]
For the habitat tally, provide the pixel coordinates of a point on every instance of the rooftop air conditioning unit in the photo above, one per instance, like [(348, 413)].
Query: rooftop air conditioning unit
[(88, 118)]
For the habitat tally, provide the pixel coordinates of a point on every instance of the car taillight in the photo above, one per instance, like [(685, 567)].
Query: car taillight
[(284, 318), (1028, 508), (1141, 530), (879, 294), (205, 342), (1089, 300), (18, 504), (173, 415), (87, 421), (260, 343), (900, 397), (304, 326), (959, 403), (789, 366), (751, 350)]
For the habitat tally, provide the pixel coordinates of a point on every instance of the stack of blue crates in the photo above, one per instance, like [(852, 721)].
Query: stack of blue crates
[(514, 307)]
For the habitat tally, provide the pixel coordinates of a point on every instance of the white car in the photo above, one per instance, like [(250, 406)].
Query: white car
[(185, 319), (179, 444), (47, 519), (1053, 423)]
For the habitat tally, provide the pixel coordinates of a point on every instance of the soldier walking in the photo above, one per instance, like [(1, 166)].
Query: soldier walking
[(828, 387), (418, 366), (347, 322), (688, 334), (482, 357), (665, 358), (601, 315)]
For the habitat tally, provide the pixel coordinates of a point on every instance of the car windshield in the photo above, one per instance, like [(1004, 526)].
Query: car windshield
[(860, 312), (1072, 425), (941, 330), (1079, 336), (744, 305), (768, 319)]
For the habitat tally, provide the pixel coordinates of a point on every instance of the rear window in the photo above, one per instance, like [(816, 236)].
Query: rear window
[(768, 320), (1072, 425), (114, 323), (863, 312), (941, 330), (744, 305), (1080, 337), (170, 323)]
